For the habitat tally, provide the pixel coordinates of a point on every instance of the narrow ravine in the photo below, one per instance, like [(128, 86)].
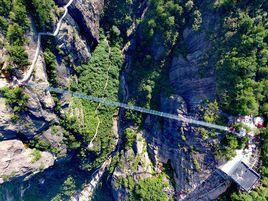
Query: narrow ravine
[(88, 190), (118, 127), (97, 108)]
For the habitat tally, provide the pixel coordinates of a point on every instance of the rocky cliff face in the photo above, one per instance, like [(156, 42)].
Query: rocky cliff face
[(192, 77), (135, 165), (193, 80), (192, 73), (72, 44), (78, 35), (38, 113), (164, 142), (17, 160), (191, 157), (87, 14), (135, 162)]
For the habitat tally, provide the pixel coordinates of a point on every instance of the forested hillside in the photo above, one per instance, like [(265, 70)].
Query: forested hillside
[(242, 63), (204, 59)]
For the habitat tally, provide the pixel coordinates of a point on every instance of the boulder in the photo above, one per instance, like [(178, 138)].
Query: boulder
[(19, 161)]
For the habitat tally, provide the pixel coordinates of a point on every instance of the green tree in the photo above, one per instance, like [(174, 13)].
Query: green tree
[(150, 189), (15, 98), (3, 25), (242, 60), (43, 13), (68, 188), (15, 34), (5, 7), (51, 66), (18, 14), (246, 102), (18, 55)]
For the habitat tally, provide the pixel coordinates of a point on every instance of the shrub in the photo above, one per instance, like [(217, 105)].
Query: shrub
[(3, 25), (36, 154), (15, 98), (68, 188), (5, 7), (50, 60), (18, 56), (130, 135), (150, 189), (15, 34), (197, 165), (211, 112), (18, 14), (203, 132), (197, 20), (43, 13)]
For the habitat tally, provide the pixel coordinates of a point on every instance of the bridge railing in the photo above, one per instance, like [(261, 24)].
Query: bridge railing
[(186, 119)]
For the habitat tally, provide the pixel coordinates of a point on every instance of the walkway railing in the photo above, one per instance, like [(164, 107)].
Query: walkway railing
[(104, 101)]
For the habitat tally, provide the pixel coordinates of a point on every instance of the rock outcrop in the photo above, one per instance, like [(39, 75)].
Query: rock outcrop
[(71, 43), (19, 161), (29, 124), (171, 142), (87, 15), (78, 35), (210, 189), (135, 162), (192, 74), (54, 136), (38, 114), (185, 73)]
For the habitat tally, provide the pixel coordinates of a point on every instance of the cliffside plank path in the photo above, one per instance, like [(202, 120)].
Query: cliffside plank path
[(26, 79)]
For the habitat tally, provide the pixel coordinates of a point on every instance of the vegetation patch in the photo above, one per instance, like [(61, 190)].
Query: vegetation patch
[(43, 145), (100, 78), (146, 189), (67, 190), (51, 66), (43, 13), (36, 155), (16, 98), (14, 23), (242, 63)]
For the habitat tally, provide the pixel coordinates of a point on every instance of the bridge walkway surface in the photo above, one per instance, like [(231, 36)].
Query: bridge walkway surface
[(107, 102)]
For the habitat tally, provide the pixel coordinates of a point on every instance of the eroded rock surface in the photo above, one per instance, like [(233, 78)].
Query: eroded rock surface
[(72, 44), (177, 144), (17, 160), (192, 74), (87, 15)]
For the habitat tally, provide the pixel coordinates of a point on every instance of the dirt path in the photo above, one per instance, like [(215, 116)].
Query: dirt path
[(96, 111), (87, 192)]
